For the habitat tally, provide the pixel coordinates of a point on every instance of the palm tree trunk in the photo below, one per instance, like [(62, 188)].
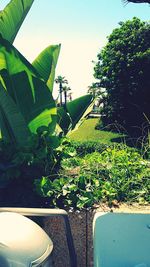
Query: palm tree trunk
[(65, 98), (60, 93)]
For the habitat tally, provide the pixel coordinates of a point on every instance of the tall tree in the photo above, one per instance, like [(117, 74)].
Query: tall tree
[(123, 69), (65, 90), (70, 96), (95, 89), (61, 80), (98, 93)]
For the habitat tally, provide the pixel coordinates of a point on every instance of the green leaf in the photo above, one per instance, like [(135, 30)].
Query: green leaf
[(78, 108), (12, 123), (54, 141), (46, 63), (13, 61), (12, 17), (31, 95), (73, 115), (47, 118), (63, 119)]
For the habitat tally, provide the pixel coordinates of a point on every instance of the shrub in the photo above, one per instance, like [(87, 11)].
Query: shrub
[(87, 147), (118, 173)]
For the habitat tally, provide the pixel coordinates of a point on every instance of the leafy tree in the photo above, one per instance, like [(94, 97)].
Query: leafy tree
[(97, 92), (123, 69), (61, 80), (94, 89)]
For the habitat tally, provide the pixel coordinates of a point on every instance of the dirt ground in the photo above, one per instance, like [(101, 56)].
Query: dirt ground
[(125, 208)]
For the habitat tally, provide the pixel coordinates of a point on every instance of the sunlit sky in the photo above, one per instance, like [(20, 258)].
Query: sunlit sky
[(81, 26)]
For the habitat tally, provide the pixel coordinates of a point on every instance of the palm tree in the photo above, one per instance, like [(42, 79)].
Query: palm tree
[(94, 89), (65, 90), (98, 93), (70, 96), (61, 80)]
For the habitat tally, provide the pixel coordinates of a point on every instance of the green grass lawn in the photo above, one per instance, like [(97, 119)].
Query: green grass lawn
[(87, 132)]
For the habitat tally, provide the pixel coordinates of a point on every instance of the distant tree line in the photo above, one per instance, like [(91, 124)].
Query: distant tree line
[(63, 90)]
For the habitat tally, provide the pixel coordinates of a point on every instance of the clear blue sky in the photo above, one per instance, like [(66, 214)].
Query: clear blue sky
[(81, 26)]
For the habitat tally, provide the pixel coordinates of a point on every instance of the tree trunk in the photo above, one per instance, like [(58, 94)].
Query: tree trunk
[(60, 93), (65, 97)]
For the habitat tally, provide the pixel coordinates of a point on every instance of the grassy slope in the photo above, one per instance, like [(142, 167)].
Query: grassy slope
[(87, 132)]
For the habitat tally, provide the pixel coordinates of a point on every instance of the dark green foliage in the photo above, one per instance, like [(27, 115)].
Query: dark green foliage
[(123, 69), (87, 147), (19, 166)]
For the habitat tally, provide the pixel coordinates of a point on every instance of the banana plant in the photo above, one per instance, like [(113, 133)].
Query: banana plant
[(12, 17), (27, 90), (26, 101)]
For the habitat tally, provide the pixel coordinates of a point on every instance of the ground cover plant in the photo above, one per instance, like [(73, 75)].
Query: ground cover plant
[(117, 174), (96, 172)]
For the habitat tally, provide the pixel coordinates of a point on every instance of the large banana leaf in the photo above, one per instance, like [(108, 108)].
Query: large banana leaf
[(45, 64), (12, 123), (78, 107), (30, 93), (63, 120), (14, 62), (89, 106), (74, 112), (12, 17)]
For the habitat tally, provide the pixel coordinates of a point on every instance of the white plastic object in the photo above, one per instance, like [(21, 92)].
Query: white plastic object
[(22, 242)]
